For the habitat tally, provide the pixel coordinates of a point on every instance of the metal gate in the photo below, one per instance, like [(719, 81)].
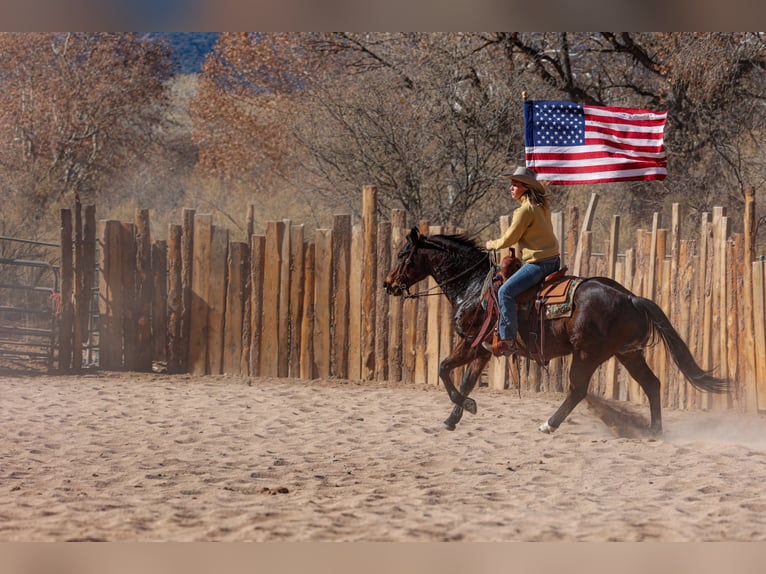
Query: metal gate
[(29, 304)]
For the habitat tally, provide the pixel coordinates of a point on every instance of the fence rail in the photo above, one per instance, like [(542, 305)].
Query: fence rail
[(281, 305)]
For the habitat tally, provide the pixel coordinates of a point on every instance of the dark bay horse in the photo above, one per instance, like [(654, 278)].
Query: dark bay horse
[(607, 320)]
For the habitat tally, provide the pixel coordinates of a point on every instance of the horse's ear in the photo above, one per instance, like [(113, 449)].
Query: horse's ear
[(414, 235)]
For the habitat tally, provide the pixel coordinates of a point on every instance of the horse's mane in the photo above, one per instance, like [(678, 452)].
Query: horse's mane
[(459, 240)]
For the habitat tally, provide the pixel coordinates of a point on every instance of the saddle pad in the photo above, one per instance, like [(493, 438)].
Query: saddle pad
[(556, 293), (558, 299)]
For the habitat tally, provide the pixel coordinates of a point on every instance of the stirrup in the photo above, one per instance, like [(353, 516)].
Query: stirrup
[(501, 348)]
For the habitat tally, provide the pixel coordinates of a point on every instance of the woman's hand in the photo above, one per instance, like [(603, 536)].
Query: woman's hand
[(488, 245)]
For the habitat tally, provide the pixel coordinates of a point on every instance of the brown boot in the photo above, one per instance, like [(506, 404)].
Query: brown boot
[(501, 348)]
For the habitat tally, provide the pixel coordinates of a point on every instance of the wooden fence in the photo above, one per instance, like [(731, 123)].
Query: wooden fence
[(284, 305)]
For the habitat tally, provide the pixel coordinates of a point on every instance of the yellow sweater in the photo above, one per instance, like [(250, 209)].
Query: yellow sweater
[(532, 229)]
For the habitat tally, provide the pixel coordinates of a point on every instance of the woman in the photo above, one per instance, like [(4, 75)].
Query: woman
[(532, 229)]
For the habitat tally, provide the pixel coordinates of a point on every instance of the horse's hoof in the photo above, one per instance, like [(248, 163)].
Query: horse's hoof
[(546, 428), (470, 405), (449, 425)]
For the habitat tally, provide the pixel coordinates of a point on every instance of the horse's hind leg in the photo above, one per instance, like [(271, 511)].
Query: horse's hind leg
[(635, 363), (470, 378), (579, 378)]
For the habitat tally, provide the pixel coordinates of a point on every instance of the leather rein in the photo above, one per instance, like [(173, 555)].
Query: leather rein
[(428, 292)]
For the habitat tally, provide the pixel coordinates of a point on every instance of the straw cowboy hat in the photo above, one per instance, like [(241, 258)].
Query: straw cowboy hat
[(528, 177)]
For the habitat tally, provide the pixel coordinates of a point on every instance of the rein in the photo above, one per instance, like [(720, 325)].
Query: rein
[(427, 292)]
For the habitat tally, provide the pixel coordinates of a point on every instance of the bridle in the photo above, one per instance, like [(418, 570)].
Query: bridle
[(401, 277)]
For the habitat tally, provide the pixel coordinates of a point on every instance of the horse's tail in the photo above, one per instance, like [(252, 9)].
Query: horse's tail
[(680, 352)]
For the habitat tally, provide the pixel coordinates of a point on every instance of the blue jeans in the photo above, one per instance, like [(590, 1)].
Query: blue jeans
[(530, 274)]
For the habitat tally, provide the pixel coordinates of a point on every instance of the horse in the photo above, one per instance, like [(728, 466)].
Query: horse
[(606, 320)]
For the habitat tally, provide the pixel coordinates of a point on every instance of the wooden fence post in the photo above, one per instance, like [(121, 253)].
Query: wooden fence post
[(369, 225), (308, 367), (750, 373), (235, 308), (322, 302), (257, 266), (382, 264), (67, 291), (219, 246), (88, 270), (159, 301), (79, 300), (297, 283), (200, 290), (283, 331), (759, 331), (187, 268), (129, 332), (144, 296), (270, 338), (110, 295), (395, 323), (174, 348), (356, 269), (341, 261), (421, 326), (247, 305)]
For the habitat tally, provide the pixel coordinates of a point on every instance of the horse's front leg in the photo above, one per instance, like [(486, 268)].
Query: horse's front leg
[(470, 378)]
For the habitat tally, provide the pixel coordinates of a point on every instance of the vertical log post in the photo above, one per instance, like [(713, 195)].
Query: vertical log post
[(159, 301), (257, 267), (369, 225), (129, 332), (110, 295), (144, 296), (187, 268), (421, 326), (749, 378), (355, 293), (395, 358), (67, 291), (88, 270), (308, 367), (341, 260), (283, 330), (235, 308), (270, 338), (247, 310), (322, 302), (297, 282), (383, 264), (80, 301), (200, 291), (174, 347)]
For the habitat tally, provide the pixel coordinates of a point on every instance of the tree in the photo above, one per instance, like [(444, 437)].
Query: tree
[(710, 83), (427, 118), (76, 110)]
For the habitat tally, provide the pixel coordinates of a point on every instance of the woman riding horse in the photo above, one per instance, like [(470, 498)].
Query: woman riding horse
[(606, 320)]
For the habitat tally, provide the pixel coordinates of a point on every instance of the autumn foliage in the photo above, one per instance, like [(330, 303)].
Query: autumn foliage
[(300, 121)]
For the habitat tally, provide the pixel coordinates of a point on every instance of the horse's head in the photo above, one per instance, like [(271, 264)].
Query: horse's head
[(410, 265)]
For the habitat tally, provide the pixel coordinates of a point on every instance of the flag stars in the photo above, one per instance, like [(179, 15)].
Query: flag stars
[(559, 124)]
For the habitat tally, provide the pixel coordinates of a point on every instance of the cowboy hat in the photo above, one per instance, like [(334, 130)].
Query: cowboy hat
[(528, 177)]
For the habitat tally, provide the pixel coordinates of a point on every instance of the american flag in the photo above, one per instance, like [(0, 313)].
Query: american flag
[(568, 143)]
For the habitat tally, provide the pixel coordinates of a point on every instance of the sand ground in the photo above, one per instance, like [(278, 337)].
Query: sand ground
[(149, 457)]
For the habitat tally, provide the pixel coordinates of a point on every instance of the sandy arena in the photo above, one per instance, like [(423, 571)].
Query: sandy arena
[(148, 457)]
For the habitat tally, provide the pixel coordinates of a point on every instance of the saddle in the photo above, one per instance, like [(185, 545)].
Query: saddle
[(553, 293)]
